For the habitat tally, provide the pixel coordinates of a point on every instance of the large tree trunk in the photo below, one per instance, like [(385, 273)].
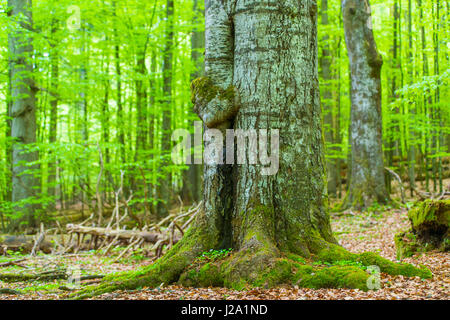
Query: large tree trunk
[(261, 73), (367, 184), (23, 109)]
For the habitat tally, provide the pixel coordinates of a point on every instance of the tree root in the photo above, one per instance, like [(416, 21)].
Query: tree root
[(164, 271), (331, 267)]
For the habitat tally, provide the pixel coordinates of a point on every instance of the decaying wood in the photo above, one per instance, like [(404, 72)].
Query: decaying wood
[(9, 291), (150, 237), (166, 233), (44, 276), (12, 262)]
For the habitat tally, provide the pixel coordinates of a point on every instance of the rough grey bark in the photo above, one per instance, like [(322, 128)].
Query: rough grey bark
[(23, 108), (326, 99), (367, 184), (267, 52)]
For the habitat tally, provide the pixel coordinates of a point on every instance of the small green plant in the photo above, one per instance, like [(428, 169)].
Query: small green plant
[(350, 263), (213, 255)]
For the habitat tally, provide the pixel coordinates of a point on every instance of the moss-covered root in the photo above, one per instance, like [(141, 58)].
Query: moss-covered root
[(166, 270), (278, 271), (336, 253), (336, 268), (256, 265)]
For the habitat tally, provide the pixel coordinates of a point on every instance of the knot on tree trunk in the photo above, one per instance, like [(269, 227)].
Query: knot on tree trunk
[(214, 105)]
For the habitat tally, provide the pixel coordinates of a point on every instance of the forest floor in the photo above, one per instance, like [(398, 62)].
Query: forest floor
[(358, 232)]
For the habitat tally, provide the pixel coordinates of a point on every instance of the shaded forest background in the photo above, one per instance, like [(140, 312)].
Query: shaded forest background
[(112, 82)]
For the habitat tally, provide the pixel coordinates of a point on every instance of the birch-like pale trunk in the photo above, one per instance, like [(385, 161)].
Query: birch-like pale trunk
[(23, 109), (367, 183)]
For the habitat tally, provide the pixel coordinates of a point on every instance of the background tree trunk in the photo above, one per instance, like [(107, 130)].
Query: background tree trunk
[(326, 98), (367, 184), (53, 132), (164, 184), (192, 177), (23, 109)]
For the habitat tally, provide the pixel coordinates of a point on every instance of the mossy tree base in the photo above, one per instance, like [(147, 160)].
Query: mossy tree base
[(254, 266), (430, 225)]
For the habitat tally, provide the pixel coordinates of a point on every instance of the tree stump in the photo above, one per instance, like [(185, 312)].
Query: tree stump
[(430, 221)]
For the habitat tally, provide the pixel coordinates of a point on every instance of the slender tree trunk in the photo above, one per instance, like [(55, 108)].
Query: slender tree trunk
[(325, 65), (337, 130), (164, 190), (434, 118), (141, 106), (141, 116), (53, 130), (119, 112), (23, 109), (191, 191), (83, 107), (367, 183), (437, 95), (412, 108), (427, 100), (393, 124)]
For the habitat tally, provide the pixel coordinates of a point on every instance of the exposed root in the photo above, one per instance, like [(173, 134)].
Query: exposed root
[(331, 267), (164, 271)]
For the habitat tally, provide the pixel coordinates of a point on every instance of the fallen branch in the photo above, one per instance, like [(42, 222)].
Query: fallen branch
[(12, 262), (149, 237), (9, 291), (421, 194), (38, 241), (397, 177), (44, 276)]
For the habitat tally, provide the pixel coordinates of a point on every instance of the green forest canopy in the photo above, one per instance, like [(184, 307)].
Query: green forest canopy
[(114, 90)]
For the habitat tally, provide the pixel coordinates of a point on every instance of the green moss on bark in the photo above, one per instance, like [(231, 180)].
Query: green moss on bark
[(430, 212), (335, 253), (406, 245), (336, 277), (204, 90)]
